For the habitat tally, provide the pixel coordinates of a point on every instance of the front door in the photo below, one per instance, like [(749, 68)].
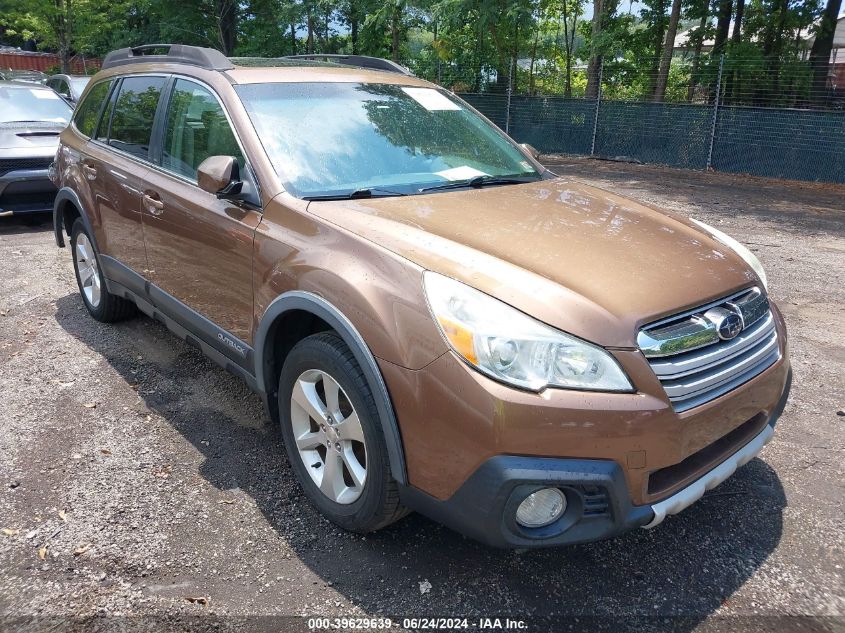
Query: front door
[(200, 247)]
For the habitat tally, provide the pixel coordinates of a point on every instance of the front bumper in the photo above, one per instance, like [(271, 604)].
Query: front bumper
[(599, 504), (26, 191)]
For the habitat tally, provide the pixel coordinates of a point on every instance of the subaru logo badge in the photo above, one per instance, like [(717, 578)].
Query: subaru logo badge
[(728, 323)]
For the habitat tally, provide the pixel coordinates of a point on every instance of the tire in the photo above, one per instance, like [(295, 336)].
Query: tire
[(309, 368), (100, 303)]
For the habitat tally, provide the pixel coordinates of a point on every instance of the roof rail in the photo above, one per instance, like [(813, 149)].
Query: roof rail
[(362, 61), (175, 53)]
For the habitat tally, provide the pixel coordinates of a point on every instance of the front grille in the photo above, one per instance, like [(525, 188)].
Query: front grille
[(695, 365), (14, 164)]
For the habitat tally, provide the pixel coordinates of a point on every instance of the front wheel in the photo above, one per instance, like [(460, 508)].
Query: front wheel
[(332, 435)]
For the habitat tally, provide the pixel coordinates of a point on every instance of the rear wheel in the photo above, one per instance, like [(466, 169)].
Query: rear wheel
[(101, 304), (332, 435)]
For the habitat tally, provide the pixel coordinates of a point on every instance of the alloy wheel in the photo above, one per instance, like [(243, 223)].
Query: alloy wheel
[(329, 437), (86, 265)]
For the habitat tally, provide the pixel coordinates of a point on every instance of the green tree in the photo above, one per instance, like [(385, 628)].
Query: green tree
[(668, 49), (605, 35), (570, 11), (822, 47), (66, 26)]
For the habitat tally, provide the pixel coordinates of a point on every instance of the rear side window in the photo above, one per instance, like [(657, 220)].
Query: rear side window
[(196, 128), (134, 111), (89, 110)]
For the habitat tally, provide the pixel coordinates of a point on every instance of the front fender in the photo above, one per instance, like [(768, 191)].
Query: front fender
[(318, 306)]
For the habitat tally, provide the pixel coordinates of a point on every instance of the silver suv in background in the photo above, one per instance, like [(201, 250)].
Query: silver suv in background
[(31, 118)]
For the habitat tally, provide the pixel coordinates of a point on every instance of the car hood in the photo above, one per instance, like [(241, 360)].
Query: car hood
[(30, 138), (582, 259)]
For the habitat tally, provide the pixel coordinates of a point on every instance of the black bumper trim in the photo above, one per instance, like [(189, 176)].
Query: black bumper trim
[(483, 507), (478, 508)]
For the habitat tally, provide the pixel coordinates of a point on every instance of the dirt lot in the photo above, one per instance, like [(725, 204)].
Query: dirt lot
[(147, 478)]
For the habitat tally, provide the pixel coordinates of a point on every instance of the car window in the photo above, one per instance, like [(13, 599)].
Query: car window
[(59, 85), (134, 111), (196, 128), (89, 110)]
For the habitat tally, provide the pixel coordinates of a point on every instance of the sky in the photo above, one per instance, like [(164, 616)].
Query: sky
[(624, 6)]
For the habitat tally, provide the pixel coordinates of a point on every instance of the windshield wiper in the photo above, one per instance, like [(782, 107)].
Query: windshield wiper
[(478, 181), (368, 192)]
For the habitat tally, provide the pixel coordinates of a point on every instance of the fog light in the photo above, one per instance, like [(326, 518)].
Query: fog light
[(541, 508)]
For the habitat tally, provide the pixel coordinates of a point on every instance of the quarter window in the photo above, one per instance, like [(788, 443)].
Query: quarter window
[(89, 110), (102, 131), (134, 112), (196, 128)]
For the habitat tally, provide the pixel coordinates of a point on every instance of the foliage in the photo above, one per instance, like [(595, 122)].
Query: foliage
[(529, 46)]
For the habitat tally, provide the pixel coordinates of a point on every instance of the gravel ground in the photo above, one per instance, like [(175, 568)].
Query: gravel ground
[(140, 482)]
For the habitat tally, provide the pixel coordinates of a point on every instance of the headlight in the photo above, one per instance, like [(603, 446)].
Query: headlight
[(510, 346), (749, 257)]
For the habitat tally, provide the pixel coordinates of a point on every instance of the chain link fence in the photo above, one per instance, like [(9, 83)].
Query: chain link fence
[(774, 118)]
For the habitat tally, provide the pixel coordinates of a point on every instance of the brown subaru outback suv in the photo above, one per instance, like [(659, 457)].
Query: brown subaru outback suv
[(435, 320)]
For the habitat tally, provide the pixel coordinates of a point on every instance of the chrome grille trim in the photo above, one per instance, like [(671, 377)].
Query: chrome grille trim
[(695, 376), (684, 364), (696, 383), (691, 330)]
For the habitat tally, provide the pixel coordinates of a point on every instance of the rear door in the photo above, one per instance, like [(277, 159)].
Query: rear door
[(199, 246), (117, 165), (86, 121)]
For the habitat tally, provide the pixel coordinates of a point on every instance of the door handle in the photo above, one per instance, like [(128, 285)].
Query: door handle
[(154, 206), (90, 172)]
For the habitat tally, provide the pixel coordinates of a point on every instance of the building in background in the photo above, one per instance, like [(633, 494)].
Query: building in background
[(837, 55)]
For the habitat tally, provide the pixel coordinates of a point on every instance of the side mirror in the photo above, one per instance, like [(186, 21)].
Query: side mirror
[(220, 175), (531, 150)]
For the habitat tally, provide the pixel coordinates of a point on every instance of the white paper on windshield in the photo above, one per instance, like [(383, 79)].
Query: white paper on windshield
[(460, 173), (430, 99), (44, 94)]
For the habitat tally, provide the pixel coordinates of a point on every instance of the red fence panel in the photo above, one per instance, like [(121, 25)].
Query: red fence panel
[(23, 60)]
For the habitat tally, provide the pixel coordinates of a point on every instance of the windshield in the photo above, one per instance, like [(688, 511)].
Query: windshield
[(32, 104), (335, 138)]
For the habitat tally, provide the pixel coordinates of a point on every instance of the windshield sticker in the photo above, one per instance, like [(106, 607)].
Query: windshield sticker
[(430, 99), (460, 173), (525, 165), (44, 94)]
